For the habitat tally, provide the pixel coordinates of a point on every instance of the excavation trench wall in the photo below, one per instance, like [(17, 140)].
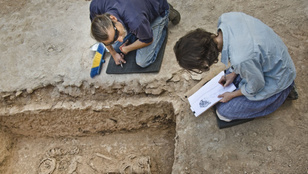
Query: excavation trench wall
[(112, 137), (82, 122)]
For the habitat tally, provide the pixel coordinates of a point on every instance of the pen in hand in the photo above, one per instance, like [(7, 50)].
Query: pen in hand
[(225, 76), (122, 56)]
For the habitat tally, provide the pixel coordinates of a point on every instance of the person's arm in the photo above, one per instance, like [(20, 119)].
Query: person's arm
[(227, 96), (134, 46), (118, 58), (144, 34), (253, 77), (228, 80)]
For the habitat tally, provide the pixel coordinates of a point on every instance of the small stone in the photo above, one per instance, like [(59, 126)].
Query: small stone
[(29, 91), (18, 93), (196, 76), (51, 48), (237, 134), (175, 78), (6, 95), (186, 76), (269, 148)]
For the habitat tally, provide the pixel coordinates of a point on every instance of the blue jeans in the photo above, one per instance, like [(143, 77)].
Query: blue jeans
[(147, 55), (242, 108)]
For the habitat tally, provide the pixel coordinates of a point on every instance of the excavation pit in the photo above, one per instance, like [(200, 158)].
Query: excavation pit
[(114, 139)]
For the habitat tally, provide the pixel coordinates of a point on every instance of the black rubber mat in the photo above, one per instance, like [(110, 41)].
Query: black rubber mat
[(223, 124)]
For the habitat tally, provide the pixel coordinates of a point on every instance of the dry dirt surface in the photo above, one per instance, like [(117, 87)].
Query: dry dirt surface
[(55, 119)]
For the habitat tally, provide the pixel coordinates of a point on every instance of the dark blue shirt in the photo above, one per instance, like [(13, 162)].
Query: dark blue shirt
[(135, 15)]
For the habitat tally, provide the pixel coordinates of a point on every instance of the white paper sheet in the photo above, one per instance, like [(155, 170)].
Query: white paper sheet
[(95, 46), (207, 95)]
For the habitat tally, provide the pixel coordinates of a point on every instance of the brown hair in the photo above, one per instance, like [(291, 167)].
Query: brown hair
[(196, 50), (99, 27)]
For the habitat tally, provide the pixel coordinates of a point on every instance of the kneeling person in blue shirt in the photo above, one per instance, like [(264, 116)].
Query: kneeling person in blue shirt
[(127, 25), (260, 65)]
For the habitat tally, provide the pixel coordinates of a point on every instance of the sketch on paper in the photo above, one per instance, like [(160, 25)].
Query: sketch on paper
[(207, 95), (204, 103)]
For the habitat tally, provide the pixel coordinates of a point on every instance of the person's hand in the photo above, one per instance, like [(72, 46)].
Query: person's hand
[(227, 80), (227, 96), (119, 58)]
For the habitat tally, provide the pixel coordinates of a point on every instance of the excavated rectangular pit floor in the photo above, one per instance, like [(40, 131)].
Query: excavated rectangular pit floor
[(49, 142)]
